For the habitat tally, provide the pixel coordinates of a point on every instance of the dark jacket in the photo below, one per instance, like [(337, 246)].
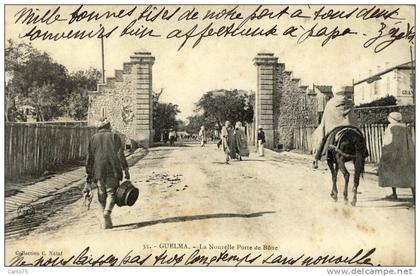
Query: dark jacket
[(261, 136), (105, 156)]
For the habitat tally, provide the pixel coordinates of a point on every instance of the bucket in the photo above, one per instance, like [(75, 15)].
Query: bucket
[(126, 194)]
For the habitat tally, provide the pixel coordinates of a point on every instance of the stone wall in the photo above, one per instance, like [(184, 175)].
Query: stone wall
[(295, 108), (126, 100), (281, 103)]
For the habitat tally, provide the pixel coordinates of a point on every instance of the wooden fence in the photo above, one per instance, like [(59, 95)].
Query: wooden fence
[(374, 133), (302, 138), (30, 149), (54, 123)]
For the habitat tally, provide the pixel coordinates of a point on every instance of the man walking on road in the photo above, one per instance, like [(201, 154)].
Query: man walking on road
[(228, 141), (202, 136), (104, 165), (172, 136)]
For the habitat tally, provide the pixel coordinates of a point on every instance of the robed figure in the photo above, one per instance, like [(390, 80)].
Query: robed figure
[(397, 166)]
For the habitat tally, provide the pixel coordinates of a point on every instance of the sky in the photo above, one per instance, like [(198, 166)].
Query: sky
[(216, 63)]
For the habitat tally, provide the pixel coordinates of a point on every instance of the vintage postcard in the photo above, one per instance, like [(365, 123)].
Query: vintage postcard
[(210, 135)]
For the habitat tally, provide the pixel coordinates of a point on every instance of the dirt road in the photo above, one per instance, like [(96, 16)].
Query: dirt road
[(189, 199)]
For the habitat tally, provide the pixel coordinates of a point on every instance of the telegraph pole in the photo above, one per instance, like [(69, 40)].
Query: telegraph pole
[(413, 79), (103, 59)]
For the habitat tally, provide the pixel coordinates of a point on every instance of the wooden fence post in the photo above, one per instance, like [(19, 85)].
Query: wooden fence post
[(30, 149)]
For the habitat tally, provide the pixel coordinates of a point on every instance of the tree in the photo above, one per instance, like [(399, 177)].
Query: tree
[(77, 106), (385, 101), (31, 74), (16, 54), (164, 115), (77, 101), (198, 120), (15, 57), (222, 105), (85, 80), (164, 118), (40, 70), (181, 125), (46, 107)]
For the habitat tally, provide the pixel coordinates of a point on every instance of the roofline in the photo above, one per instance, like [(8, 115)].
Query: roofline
[(401, 66)]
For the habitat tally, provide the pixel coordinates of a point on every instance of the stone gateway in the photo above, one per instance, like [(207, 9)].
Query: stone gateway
[(126, 99), (281, 102)]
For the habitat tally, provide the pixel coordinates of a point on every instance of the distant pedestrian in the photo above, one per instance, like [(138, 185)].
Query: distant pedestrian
[(397, 167), (202, 136), (165, 136), (241, 141), (172, 136), (104, 165), (228, 141), (217, 137), (260, 141)]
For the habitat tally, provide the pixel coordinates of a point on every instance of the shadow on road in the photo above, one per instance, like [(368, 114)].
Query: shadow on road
[(168, 146), (157, 158), (219, 162), (400, 203), (237, 161), (396, 206), (400, 199), (190, 218)]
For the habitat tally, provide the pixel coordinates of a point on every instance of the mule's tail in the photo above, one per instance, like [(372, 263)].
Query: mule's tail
[(359, 162)]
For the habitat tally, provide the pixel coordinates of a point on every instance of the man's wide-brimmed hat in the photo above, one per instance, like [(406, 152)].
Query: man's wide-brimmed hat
[(126, 194), (103, 122), (395, 116)]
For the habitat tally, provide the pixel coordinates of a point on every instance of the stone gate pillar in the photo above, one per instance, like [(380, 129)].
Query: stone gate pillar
[(126, 99), (143, 62), (267, 65)]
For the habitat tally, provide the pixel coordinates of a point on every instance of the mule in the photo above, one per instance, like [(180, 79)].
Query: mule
[(351, 146)]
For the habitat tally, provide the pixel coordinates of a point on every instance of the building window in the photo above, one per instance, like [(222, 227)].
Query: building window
[(103, 112)]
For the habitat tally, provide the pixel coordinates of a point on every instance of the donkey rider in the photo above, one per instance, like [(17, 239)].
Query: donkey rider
[(338, 112)]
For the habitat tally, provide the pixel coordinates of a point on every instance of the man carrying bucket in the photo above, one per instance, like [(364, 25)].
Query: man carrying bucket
[(104, 165)]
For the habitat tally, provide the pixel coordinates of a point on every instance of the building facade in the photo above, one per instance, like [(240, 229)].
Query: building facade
[(395, 81)]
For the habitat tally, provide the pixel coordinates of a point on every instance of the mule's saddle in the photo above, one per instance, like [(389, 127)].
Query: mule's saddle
[(334, 138)]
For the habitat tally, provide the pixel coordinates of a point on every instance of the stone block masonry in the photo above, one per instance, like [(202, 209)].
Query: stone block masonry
[(295, 109), (281, 103), (266, 70), (126, 99)]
